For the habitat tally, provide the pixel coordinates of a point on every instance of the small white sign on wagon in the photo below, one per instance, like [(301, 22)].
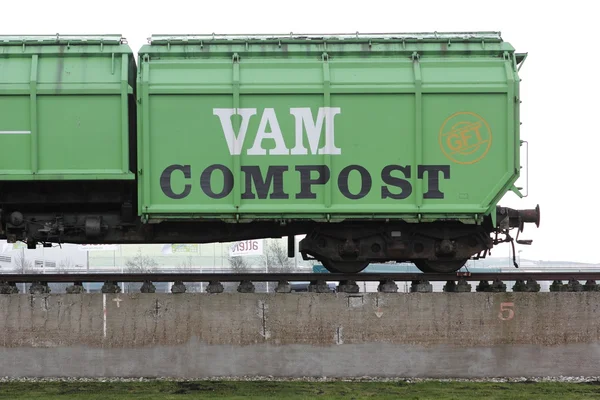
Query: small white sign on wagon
[(246, 248)]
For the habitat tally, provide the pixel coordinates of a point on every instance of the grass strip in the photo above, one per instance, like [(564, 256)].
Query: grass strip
[(295, 390)]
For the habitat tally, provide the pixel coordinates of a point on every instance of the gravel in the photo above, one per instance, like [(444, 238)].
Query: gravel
[(564, 379)]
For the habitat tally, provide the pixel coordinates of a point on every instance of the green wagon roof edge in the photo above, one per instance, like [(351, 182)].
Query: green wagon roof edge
[(492, 36), (71, 39)]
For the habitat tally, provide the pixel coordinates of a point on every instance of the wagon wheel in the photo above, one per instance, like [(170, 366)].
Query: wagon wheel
[(344, 267), (422, 265), (440, 266)]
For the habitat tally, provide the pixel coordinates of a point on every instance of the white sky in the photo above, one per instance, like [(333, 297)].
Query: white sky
[(560, 87)]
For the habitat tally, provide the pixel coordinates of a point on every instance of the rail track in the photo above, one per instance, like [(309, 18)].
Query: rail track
[(319, 282), (296, 277)]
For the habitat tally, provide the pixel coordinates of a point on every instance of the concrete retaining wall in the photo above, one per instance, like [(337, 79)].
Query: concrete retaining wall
[(333, 335)]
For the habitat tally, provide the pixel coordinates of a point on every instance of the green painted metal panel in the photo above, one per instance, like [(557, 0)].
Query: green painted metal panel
[(64, 112), (413, 127)]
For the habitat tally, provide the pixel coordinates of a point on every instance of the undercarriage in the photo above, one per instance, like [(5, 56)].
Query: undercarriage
[(342, 247)]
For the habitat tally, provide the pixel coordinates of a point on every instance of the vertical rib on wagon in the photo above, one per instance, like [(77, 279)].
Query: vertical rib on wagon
[(418, 126)]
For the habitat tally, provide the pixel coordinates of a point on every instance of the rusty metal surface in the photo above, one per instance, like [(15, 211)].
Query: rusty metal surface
[(294, 277)]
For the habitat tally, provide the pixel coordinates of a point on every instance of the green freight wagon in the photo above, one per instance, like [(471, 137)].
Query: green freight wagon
[(377, 147), (67, 137)]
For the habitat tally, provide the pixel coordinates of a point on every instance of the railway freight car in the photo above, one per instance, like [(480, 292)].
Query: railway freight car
[(377, 147)]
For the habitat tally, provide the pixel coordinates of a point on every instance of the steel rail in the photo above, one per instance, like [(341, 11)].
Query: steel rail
[(294, 277)]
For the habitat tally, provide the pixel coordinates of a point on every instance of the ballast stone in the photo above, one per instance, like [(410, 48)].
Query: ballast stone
[(557, 286), (39, 288), (348, 286), (533, 286), (75, 288), (497, 286), (387, 286), (178, 287), (246, 287), (529, 286), (111, 287), (8, 288), (591, 286), (148, 287), (283, 287), (450, 287), (574, 286), (319, 286), (519, 286), (421, 286), (214, 287), (461, 287)]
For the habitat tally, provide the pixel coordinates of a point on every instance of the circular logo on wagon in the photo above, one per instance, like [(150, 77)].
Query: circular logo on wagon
[(465, 137)]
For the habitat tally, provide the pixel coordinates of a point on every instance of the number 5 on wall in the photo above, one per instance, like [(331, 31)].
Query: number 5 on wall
[(506, 312)]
